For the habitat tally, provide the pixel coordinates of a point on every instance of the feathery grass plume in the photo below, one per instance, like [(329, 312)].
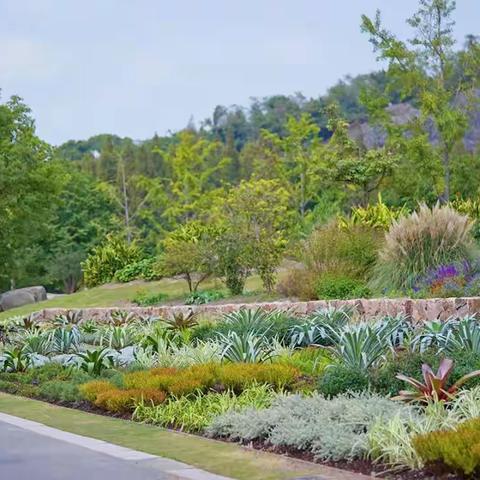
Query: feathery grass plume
[(426, 239)]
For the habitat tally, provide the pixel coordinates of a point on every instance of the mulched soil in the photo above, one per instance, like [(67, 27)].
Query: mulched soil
[(365, 467)]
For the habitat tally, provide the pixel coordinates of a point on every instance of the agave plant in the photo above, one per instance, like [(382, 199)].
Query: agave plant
[(181, 321), (362, 345), (465, 336), (35, 341), (401, 330), (245, 321), (16, 359), (314, 329), (65, 340), (248, 348), (95, 361), (435, 386), (433, 334), (117, 337)]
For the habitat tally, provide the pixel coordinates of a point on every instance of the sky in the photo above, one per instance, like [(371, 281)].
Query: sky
[(136, 67)]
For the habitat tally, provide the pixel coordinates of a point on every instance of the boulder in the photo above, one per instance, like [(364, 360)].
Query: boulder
[(22, 296)]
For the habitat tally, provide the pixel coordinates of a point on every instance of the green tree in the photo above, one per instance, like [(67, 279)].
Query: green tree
[(425, 68), (351, 163), (299, 160), (30, 184), (81, 221), (188, 251), (256, 219), (195, 168)]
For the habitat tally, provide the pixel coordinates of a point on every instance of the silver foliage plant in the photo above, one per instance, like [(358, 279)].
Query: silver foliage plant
[(333, 429)]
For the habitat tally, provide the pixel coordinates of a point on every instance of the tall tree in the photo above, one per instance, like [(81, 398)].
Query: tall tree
[(424, 68), (30, 183), (299, 159)]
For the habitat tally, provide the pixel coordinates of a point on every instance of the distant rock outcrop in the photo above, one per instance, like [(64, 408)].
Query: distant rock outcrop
[(22, 296), (373, 136)]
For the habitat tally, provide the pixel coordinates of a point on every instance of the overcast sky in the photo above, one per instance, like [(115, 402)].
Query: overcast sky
[(135, 67)]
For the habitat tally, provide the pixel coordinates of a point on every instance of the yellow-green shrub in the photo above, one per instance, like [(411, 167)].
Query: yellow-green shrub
[(145, 379), (122, 401), (91, 390), (238, 376), (458, 449)]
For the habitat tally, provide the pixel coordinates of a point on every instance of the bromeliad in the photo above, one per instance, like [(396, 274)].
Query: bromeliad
[(434, 387)]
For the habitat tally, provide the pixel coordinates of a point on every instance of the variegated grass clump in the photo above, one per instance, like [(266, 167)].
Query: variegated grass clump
[(416, 244), (390, 438)]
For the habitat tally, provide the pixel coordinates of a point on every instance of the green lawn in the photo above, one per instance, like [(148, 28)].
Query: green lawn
[(218, 457), (120, 294)]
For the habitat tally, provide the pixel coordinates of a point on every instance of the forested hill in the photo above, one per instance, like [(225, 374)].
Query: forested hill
[(238, 125), (235, 126)]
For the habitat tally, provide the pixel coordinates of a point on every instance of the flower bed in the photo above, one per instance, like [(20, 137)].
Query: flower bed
[(324, 386)]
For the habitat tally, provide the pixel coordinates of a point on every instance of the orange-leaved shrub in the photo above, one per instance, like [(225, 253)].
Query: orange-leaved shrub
[(155, 384), (91, 390), (122, 401)]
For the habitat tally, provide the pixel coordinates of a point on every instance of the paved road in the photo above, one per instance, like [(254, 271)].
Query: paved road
[(27, 455)]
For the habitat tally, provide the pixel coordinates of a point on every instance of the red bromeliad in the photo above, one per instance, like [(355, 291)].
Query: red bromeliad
[(435, 385)]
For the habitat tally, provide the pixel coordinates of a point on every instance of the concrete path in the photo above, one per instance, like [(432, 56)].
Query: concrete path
[(32, 450)]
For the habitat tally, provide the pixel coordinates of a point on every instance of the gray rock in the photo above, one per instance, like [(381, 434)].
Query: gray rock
[(38, 360), (124, 357), (22, 296), (65, 359)]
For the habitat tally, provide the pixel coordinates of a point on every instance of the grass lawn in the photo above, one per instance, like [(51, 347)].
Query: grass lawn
[(218, 457), (120, 294)]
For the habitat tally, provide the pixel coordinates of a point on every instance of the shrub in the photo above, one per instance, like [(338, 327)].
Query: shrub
[(452, 280), (342, 253), (390, 439), (458, 449), (238, 376), (298, 283), (331, 429), (105, 260), (91, 390), (205, 296), (309, 361), (378, 215), (59, 390), (146, 269), (424, 240), (123, 401), (340, 287), (146, 299), (339, 379)]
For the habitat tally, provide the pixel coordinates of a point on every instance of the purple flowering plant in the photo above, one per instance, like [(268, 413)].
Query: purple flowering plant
[(450, 280)]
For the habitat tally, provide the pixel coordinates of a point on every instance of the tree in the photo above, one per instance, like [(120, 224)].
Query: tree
[(255, 219), (299, 159), (30, 183), (81, 220), (349, 162), (424, 68), (188, 251), (195, 168)]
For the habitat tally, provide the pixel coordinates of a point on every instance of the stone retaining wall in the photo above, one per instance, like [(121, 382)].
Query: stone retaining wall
[(416, 310)]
